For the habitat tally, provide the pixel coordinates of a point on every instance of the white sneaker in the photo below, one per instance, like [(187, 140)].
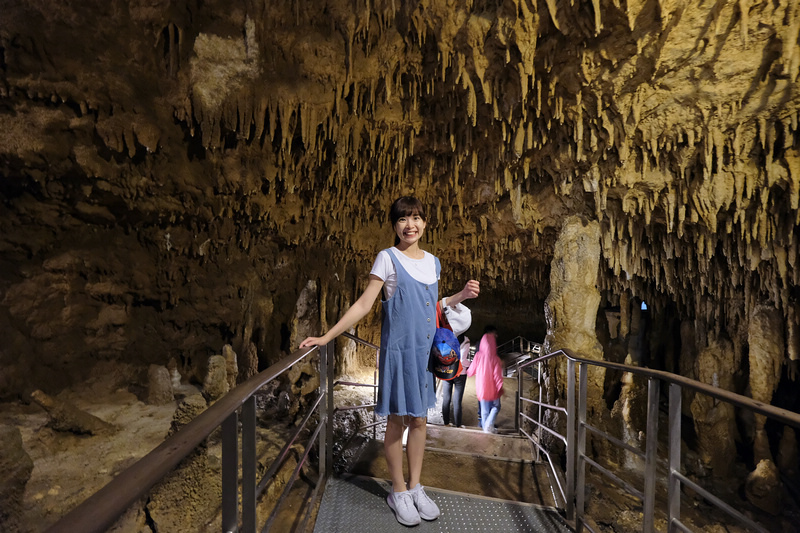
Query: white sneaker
[(427, 508), (402, 503)]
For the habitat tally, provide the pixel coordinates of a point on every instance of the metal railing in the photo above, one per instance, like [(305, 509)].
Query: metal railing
[(519, 345), (516, 352), (573, 489), (235, 414)]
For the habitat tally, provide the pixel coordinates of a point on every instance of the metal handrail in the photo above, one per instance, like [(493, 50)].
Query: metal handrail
[(103, 508), (99, 512), (577, 426)]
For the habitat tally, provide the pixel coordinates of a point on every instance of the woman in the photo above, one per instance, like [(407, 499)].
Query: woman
[(409, 277)]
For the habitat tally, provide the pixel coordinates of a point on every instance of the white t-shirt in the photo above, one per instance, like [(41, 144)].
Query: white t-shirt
[(422, 270)]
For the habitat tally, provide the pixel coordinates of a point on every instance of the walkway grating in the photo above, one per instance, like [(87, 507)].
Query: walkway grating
[(358, 503)]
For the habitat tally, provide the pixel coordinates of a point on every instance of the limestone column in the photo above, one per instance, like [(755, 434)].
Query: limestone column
[(765, 337), (714, 420), (572, 305)]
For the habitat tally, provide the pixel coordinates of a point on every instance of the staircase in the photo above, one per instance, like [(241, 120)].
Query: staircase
[(516, 352), (481, 482)]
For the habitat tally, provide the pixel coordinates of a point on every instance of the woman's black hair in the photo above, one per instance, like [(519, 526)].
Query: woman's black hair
[(406, 206)]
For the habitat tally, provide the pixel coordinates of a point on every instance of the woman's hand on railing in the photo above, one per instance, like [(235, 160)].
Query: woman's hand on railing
[(312, 341)]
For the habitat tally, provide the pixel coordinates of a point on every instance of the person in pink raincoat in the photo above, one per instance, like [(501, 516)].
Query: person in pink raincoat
[(488, 371)]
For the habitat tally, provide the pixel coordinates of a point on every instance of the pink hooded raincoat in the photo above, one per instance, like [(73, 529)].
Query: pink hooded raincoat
[(487, 369)]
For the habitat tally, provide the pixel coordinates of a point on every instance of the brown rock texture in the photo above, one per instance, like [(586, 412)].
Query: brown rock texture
[(180, 176), (15, 467), (172, 176)]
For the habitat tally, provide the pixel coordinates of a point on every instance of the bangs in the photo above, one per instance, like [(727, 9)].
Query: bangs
[(406, 206)]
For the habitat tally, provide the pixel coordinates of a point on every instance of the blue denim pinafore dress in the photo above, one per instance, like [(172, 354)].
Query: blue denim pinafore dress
[(405, 387)]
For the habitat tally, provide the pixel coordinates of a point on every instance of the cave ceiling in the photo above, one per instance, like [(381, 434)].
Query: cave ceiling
[(198, 127)]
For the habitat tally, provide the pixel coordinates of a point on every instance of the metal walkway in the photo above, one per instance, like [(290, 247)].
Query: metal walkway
[(358, 503)]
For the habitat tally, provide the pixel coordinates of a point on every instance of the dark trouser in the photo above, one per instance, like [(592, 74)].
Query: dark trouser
[(458, 384)]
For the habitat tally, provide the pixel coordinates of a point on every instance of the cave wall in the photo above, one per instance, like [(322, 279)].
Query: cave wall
[(172, 174)]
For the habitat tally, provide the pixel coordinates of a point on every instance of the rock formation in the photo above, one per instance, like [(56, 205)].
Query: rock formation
[(174, 175), (159, 385), (15, 466), (64, 416)]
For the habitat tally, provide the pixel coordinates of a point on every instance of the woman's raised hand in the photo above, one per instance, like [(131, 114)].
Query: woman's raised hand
[(472, 289)]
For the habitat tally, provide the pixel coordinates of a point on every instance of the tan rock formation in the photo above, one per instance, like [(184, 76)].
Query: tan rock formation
[(64, 416), (714, 421), (215, 384), (765, 336), (572, 306), (159, 385), (15, 470), (172, 176), (188, 498), (231, 366), (763, 487)]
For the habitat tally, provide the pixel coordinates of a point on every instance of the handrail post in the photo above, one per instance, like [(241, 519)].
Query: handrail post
[(324, 412), (230, 474), (580, 451), (329, 356), (539, 411), (570, 495), (651, 452), (519, 401), (674, 488), (249, 465)]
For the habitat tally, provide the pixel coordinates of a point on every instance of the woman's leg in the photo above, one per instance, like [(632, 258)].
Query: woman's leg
[(415, 448), (447, 390), (393, 448), (458, 394)]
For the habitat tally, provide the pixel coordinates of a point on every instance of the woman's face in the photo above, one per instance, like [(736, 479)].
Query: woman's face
[(409, 228)]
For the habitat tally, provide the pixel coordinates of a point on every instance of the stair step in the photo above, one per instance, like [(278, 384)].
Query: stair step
[(358, 503), (473, 441)]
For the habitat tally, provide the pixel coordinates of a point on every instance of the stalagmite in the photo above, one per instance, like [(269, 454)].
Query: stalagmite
[(574, 298), (765, 337), (714, 421)]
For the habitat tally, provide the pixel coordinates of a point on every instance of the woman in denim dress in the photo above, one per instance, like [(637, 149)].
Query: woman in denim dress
[(409, 277)]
